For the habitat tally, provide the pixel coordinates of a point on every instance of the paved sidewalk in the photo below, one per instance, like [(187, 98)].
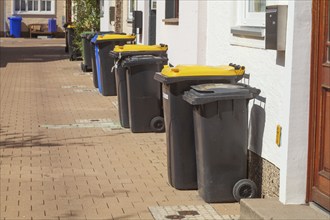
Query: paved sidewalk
[(63, 153)]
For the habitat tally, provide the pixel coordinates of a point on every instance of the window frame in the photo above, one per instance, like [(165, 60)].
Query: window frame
[(252, 19), (172, 11), (34, 12), (129, 12)]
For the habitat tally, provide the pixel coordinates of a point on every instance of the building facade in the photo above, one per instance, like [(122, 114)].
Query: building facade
[(33, 12), (222, 32)]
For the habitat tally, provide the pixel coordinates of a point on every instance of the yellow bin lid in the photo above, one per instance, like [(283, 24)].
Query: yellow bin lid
[(115, 37), (137, 48), (197, 70)]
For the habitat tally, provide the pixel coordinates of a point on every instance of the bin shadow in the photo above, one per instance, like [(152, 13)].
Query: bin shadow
[(256, 133), (31, 54), (22, 140)]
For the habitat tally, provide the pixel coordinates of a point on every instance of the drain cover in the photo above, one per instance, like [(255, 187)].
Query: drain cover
[(105, 124), (189, 212), (174, 216)]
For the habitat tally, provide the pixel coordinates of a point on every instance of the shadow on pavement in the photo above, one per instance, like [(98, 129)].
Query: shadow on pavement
[(31, 54), (20, 140)]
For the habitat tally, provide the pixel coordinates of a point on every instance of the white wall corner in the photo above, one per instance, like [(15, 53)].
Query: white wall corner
[(293, 177), (202, 29)]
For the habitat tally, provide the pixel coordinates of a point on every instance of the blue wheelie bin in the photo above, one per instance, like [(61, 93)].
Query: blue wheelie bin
[(104, 63), (15, 26)]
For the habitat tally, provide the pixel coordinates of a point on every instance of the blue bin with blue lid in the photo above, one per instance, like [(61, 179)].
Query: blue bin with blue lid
[(220, 113), (104, 63), (52, 25), (15, 26)]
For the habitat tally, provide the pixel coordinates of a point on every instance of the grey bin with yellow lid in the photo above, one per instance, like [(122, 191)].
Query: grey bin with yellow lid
[(181, 158), (119, 54), (220, 113)]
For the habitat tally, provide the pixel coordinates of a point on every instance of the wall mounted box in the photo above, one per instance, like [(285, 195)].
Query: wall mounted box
[(276, 24), (137, 22), (112, 14), (153, 5)]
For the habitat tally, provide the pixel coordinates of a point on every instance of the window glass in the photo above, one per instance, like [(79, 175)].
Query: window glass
[(36, 5), (23, 5), (17, 5), (257, 5), (49, 6), (172, 9), (43, 6), (131, 8), (30, 5)]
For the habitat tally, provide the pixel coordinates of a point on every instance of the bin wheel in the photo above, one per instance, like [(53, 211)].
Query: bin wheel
[(157, 124), (83, 67), (244, 189)]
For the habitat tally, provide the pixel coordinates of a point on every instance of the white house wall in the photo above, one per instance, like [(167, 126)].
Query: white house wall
[(182, 39), (283, 77), (105, 20)]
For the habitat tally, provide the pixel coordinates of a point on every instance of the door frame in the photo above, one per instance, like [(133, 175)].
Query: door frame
[(317, 13)]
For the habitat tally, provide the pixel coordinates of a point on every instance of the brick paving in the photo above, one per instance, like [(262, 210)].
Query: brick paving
[(53, 166)]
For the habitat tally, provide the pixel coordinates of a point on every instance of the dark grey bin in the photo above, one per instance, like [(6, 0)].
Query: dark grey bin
[(121, 85), (144, 94), (220, 114), (181, 157)]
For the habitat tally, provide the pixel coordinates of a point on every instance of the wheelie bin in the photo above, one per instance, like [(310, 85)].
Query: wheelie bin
[(15, 23), (144, 93), (89, 37), (220, 113), (104, 63), (86, 64), (74, 52), (120, 53), (181, 158)]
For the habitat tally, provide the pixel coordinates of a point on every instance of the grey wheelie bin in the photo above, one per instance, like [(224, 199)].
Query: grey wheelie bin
[(220, 113), (120, 53), (104, 63), (144, 93), (181, 158), (74, 52), (86, 64)]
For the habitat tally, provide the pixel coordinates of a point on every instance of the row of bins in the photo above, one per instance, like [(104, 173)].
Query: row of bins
[(203, 109)]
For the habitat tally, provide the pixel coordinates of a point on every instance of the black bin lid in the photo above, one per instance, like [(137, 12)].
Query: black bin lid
[(143, 60), (212, 92)]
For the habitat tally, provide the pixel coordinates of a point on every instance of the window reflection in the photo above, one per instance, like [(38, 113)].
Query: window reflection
[(257, 5)]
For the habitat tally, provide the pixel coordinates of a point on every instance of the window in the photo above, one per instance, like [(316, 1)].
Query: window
[(253, 12), (250, 29), (131, 7), (172, 9), (34, 6), (171, 12)]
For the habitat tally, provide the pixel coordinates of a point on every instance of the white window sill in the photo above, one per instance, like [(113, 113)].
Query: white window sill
[(248, 36), (171, 21), (34, 13)]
